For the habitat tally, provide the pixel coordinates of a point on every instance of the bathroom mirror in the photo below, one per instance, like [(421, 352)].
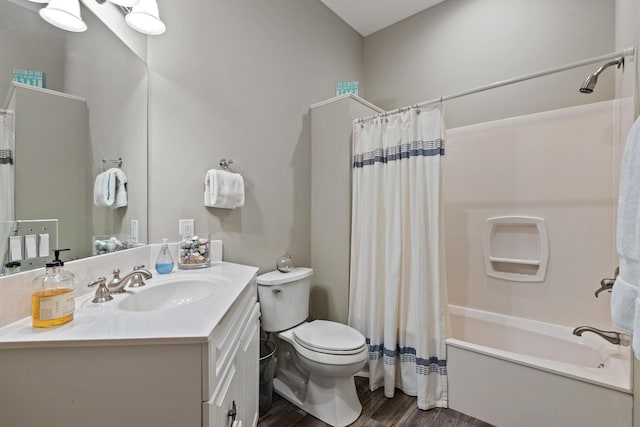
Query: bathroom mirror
[(96, 95)]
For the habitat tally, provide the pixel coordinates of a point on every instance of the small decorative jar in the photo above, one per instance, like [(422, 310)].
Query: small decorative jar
[(284, 264), (194, 252)]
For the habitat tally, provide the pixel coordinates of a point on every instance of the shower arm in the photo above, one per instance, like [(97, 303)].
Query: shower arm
[(619, 62)]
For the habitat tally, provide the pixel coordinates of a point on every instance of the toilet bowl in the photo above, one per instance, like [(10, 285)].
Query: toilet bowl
[(316, 360), (328, 348)]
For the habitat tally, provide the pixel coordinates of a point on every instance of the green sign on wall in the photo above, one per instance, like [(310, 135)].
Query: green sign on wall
[(343, 88), (30, 77)]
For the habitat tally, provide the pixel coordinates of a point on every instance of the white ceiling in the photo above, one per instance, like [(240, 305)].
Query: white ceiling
[(369, 16)]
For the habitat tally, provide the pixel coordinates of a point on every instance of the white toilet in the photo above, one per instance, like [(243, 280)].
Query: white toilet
[(316, 361)]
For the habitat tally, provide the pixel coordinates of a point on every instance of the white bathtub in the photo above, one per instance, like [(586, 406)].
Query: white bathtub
[(511, 371)]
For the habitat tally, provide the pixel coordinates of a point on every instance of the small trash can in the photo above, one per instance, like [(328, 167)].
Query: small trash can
[(267, 369)]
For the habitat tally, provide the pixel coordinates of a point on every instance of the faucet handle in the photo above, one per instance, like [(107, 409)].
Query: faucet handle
[(100, 280), (138, 267), (137, 280), (102, 293)]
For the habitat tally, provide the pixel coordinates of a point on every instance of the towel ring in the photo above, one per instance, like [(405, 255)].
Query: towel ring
[(117, 162), (225, 163)]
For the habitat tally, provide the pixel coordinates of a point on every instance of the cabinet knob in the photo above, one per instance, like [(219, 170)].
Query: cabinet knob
[(233, 412)]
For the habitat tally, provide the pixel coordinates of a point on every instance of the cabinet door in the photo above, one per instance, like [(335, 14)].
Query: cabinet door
[(248, 355), (218, 412)]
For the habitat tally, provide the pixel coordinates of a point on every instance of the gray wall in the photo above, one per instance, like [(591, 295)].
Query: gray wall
[(114, 81), (235, 79), (461, 44)]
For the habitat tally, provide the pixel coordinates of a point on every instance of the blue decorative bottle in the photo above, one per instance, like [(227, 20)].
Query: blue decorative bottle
[(164, 262)]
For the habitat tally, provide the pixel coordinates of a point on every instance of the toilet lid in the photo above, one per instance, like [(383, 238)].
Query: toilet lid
[(329, 337)]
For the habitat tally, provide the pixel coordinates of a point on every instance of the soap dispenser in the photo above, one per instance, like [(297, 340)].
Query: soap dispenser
[(53, 303), (164, 262)]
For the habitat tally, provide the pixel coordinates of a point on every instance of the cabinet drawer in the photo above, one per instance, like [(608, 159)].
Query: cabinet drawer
[(225, 340), (216, 411)]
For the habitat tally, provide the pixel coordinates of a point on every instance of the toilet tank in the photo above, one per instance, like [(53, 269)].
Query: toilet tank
[(284, 298)]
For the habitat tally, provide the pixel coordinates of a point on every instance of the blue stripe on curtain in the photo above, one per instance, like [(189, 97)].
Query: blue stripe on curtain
[(398, 152), (6, 157), (407, 355)]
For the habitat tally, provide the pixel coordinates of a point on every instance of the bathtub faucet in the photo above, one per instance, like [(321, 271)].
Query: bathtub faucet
[(613, 337)]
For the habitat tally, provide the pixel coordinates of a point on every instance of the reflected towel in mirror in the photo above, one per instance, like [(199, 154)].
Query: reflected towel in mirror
[(109, 189)]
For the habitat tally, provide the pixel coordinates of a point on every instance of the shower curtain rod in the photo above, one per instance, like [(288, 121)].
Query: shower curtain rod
[(626, 52)]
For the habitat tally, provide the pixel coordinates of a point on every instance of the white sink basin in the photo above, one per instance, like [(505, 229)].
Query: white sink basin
[(173, 294)]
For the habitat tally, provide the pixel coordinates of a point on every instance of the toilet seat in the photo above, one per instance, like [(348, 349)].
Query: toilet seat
[(323, 356), (329, 338)]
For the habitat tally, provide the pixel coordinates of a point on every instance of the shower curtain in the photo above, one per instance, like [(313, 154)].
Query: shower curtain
[(7, 181), (397, 280)]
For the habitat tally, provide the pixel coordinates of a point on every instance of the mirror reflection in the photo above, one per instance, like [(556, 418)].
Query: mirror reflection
[(73, 139)]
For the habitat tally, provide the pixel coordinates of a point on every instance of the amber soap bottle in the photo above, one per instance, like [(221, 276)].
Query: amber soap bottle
[(53, 302)]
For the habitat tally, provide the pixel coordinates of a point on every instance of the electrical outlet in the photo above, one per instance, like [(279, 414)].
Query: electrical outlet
[(186, 228), (134, 231)]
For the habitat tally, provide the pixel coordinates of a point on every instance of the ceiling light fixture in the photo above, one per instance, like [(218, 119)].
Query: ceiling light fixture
[(145, 18), (141, 15), (64, 14), (124, 3)]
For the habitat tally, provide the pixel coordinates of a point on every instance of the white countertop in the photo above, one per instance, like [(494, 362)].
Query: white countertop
[(108, 324)]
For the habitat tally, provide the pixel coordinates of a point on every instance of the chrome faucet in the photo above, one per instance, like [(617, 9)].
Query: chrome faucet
[(617, 338), (134, 279)]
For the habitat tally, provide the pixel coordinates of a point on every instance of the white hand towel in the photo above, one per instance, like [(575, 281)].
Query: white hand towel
[(223, 189), (119, 180), (624, 296), (103, 190)]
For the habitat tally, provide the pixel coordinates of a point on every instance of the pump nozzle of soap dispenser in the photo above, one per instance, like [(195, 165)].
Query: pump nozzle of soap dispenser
[(56, 262)]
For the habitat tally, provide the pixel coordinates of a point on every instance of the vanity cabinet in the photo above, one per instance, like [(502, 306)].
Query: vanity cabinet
[(232, 381), (186, 381)]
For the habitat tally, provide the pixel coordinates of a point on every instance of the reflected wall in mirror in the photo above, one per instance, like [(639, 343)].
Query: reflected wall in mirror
[(94, 108)]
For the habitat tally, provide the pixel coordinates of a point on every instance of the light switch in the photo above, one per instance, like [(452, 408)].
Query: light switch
[(30, 246), (43, 250), (15, 248)]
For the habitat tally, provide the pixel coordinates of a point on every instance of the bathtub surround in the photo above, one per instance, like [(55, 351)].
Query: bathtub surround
[(397, 283), (578, 206)]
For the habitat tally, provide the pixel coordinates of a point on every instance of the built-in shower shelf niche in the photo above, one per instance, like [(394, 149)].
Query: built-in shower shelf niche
[(516, 248)]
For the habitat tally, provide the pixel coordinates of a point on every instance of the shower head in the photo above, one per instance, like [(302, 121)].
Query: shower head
[(591, 81)]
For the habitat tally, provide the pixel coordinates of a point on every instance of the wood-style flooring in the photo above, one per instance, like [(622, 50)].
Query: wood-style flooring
[(377, 411)]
